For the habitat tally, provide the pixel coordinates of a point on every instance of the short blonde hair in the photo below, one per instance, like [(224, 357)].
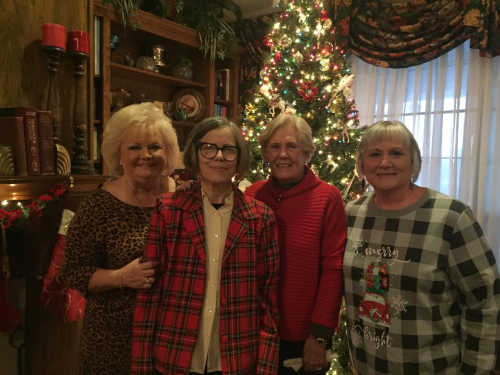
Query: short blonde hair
[(190, 157), (389, 131), (304, 133), (144, 118)]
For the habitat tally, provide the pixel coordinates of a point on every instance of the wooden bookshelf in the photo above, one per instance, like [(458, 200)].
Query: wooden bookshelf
[(177, 41)]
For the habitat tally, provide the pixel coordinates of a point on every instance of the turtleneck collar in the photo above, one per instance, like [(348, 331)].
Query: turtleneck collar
[(308, 182), (279, 185)]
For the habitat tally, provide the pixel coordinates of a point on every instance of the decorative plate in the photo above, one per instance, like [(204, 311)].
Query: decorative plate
[(191, 101)]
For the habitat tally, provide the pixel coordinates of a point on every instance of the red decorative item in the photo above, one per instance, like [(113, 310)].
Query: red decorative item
[(327, 49), (54, 35), (34, 209), (307, 91), (277, 56), (78, 41), (324, 15), (61, 301)]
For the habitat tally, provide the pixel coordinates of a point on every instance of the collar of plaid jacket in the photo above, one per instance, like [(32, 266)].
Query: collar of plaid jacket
[(244, 208)]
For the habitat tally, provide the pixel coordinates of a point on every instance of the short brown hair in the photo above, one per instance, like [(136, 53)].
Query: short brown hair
[(190, 157)]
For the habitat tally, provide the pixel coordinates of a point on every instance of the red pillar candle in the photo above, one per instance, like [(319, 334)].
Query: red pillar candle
[(78, 41), (54, 35)]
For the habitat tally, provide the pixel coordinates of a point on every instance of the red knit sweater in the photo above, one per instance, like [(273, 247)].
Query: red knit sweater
[(312, 233)]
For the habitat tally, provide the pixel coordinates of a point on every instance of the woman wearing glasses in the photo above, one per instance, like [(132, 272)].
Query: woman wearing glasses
[(213, 309)]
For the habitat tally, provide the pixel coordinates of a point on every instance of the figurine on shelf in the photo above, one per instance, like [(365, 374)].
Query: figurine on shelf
[(114, 42), (180, 115), (146, 63), (129, 61)]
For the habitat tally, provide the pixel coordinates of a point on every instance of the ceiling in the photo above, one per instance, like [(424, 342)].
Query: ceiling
[(255, 8)]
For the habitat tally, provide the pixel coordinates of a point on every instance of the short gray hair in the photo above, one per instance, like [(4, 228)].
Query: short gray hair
[(190, 157), (144, 118), (392, 131), (304, 133)]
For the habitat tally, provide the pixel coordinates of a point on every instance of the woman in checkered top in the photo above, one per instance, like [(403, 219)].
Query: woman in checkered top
[(421, 282)]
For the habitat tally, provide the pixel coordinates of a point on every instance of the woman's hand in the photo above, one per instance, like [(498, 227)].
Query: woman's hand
[(314, 358), (186, 185), (137, 275)]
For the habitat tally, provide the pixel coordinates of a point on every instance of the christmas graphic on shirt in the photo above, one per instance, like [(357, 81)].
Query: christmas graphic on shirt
[(377, 307)]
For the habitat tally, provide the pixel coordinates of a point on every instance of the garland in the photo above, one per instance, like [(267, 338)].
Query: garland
[(34, 209)]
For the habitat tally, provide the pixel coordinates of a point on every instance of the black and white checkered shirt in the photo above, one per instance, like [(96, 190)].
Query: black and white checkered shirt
[(421, 288)]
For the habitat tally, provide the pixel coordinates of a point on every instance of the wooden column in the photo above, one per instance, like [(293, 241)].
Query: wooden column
[(80, 163)]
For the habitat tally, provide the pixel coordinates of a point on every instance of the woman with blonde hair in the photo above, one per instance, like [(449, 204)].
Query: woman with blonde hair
[(106, 236), (422, 292)]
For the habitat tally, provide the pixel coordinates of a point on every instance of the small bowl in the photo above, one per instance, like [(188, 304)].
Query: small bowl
[(146, 63)]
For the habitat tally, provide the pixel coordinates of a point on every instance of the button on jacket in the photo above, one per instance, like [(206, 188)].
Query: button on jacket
[(167, 317)]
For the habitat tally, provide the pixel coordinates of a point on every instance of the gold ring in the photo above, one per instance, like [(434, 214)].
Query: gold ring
[(147, 280)]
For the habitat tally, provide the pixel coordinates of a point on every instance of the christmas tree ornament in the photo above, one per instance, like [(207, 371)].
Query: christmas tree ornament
[(277, 56), (274, 103), (325, 65), (307, 91), (327, 25), (327, 49), (298, 58), (324, 15), (286, 41), (345, 82)]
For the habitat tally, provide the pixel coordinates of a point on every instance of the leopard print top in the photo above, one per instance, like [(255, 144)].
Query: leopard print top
[(105, 233)]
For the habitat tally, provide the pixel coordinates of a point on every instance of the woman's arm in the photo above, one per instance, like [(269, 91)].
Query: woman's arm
[(473, 270), (326, 311), (135, 275), (268, 271), (148, 301)]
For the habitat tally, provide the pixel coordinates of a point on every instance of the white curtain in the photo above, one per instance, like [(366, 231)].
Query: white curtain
[(451, 105)]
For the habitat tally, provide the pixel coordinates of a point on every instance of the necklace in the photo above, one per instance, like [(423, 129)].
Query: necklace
[(137, 200)]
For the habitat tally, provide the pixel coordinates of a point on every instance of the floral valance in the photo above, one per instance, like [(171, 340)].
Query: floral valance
[(399, 34)]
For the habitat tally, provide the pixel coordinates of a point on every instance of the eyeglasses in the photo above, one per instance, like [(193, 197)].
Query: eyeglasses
[(209, 151)]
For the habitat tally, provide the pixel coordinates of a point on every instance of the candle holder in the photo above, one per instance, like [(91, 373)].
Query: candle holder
[(54, 54), (80, 164)]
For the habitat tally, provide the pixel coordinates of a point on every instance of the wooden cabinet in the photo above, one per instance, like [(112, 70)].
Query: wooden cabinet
[(177, 41)]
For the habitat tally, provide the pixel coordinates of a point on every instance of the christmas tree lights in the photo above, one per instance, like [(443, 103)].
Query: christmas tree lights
[(307, 74)]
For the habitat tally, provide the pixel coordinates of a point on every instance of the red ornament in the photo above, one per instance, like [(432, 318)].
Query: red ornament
[(277, 56), (307, 91), (324, 15), (327, 49)]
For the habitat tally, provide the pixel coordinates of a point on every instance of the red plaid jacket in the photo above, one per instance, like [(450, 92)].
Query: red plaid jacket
[(167, 317)]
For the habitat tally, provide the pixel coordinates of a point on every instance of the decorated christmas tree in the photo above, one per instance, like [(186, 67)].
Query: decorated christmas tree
[(307, 74)]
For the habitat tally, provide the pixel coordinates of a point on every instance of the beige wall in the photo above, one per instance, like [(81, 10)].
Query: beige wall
[(23, 65), (24, 82)]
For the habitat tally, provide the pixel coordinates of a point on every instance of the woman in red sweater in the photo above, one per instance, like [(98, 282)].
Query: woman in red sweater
[(312, 232)]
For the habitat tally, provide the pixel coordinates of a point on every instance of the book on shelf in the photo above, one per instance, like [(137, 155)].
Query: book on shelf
[(220, 110), (30, 135), (222, 84), (97, 45), (12, 133), (46, 143)]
